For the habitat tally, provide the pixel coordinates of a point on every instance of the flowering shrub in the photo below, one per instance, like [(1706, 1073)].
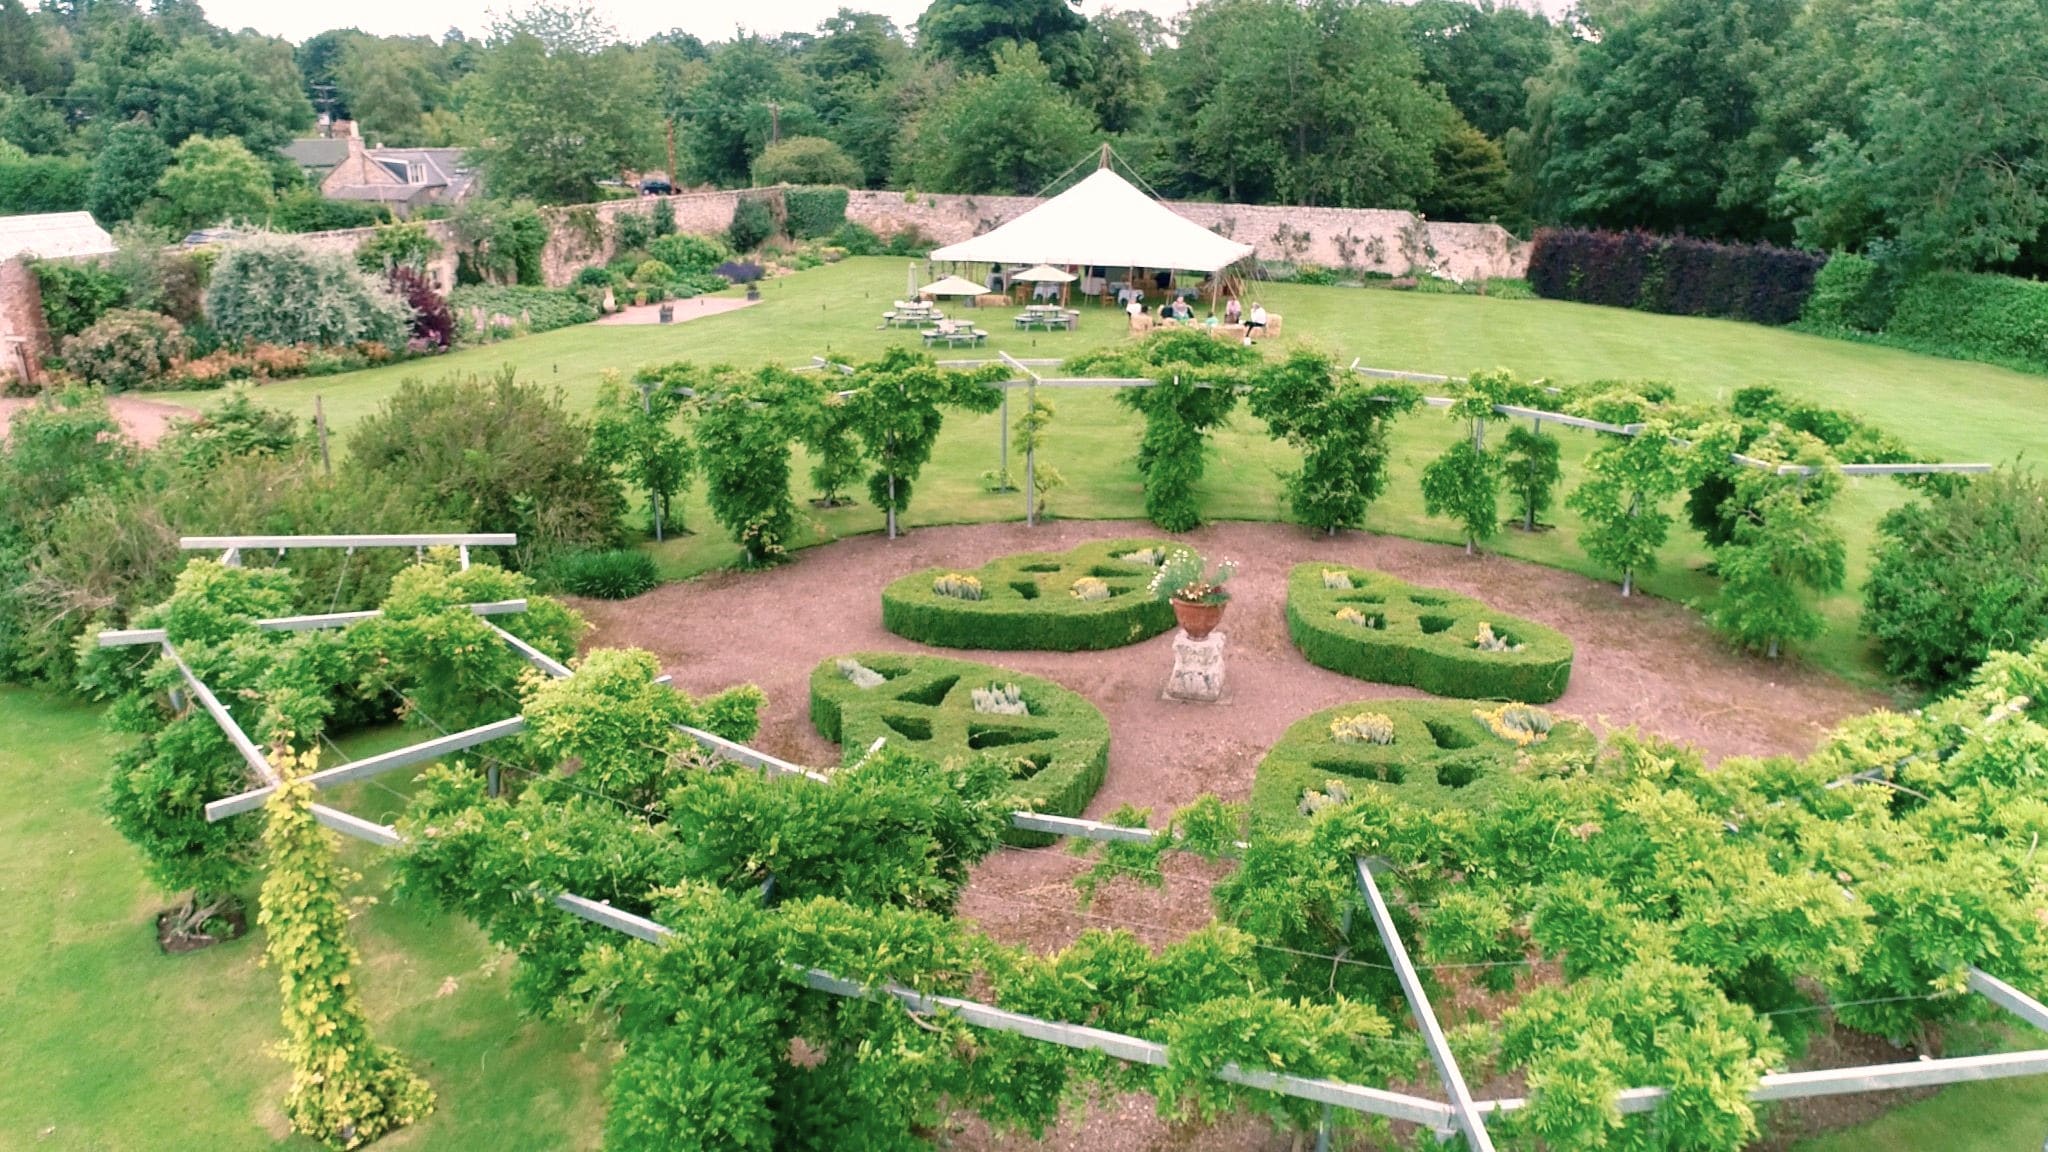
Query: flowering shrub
[(859, 674), (1518, 724), (1000, 700), (957, 586), (1488, 641), (272, 291), (1090, 588), (126, 349), (739, 271), (1185, 576), (433, 324), (1350, 615), (1155, 556), (1333, 795), (1363, 728), (1336, 579)]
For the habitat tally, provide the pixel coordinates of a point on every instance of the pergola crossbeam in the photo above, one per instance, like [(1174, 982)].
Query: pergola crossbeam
[(534, 656), (251, 755), (1463, 1110), (401, 540), (118, 638), (2009, 998), (382, 835), (370, 766)]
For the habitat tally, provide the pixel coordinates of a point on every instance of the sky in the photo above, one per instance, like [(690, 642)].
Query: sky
[(635, 19)]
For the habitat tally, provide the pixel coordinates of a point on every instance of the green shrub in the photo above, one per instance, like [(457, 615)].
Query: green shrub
[(1960, 575), (493, 454), (631, 231), (76, 295), (857, 239), (1422, 637), (126, 349), (1507, 288), (814, 212), (275, 291), (399, 245), (1056, 753), (532, 309), (616, 574), (306, 210), (689, 254), (1972, 316), (43, 184), (806, 160), (653, 272), (1850, 293), (1442, 754), (752, 223), (1028, 602)]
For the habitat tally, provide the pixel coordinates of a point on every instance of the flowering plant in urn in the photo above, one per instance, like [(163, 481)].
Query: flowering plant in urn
[(1196, 591)]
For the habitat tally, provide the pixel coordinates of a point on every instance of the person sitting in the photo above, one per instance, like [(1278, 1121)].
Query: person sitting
[(1181, 311), (1232, 311), (1256, 322), (1136, 309)]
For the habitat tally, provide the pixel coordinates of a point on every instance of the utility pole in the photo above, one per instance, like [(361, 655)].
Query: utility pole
[(672, 181), (774, 122)]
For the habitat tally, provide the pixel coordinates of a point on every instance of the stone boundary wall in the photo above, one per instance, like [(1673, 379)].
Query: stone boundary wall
[(1365, 239), (1362, 239), (24, 338)]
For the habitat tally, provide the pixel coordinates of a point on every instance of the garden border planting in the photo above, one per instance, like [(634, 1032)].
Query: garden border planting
[(1441, 752), (1027, 601), (1422, 637), (925, 706)]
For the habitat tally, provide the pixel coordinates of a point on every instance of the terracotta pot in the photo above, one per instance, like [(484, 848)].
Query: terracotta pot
[(1197, 620)]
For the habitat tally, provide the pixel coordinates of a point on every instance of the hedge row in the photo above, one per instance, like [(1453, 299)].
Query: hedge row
[(1422, 637), (1960, 315), (43, 184), (1028, 602), (1442, 754), (1673, 274), (812, 212), (1057, 753)]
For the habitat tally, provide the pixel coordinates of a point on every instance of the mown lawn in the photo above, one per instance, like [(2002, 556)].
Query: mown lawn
[(1947, 409), (110, 1046)]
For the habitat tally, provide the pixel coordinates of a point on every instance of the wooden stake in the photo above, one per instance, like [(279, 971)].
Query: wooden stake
[(320, 426)]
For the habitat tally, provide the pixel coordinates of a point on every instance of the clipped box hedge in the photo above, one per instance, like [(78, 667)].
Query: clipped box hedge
[(1422, 637), (1057, 753), (1028, 602), (1443, 754)]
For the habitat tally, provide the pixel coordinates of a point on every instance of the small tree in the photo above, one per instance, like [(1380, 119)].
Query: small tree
[(634, 430), (1464, 482), (1196, 380), (212, 181), (1628, 479), (1530, 469), (433, 324), (126, 170), (1340, 421), (894, 409), (347, 1089), (1784, 549), (743, 436), (836, 458), (1030, 441)]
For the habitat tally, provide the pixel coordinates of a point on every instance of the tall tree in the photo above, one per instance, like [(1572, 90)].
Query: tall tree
[(391, 84), (1117, 84), (1951, 163), (1317, 103), (561, 105), (251, 90), (213, 181), (749, 95), (25, 61), (968, 33), (1008, 132), (1647, 126), (1483, 54), (125, 171)]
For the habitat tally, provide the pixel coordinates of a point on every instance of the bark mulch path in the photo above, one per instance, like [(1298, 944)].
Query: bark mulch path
[(1640, 662)]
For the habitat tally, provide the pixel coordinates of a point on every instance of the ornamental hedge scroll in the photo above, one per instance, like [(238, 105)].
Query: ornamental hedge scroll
[(1426, 752), (1370, 625), (1054, 743), (1084, 599)]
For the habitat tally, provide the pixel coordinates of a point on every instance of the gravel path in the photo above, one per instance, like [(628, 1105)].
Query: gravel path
[(1640, 662)]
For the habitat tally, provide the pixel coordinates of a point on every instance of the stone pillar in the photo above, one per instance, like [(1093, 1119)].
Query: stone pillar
[(1197, 668)]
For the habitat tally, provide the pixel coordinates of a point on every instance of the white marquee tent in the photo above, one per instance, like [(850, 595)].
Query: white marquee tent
[(1103, 221)]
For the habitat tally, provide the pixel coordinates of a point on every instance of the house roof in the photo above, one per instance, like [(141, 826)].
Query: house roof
[(1102, 221), (53, 236), (317, 151), (393, 193)]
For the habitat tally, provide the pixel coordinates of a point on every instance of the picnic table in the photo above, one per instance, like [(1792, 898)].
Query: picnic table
[(951, 334), (911, 315), (1048, 316)]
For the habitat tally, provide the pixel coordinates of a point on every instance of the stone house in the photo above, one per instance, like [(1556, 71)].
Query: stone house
[(405, 179)]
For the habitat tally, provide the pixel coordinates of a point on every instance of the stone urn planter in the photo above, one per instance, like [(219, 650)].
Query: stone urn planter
[(1197, 620)]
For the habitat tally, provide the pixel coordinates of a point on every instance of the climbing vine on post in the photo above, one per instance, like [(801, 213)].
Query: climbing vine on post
[(1628, 480), (634, 430), (346, 1089), (744, 434), (836, 458), (1783, 549), (1530, 469), (1340, 421), (1040, 478), (894, 409), (1197, 376), (1464, 482)]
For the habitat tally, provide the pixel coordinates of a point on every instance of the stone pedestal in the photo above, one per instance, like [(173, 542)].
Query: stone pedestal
[(1197, 668)]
